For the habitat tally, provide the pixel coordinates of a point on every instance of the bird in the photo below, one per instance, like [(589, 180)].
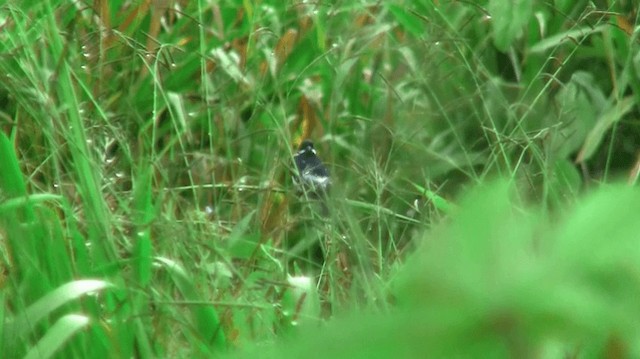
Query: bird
[(312, 176)]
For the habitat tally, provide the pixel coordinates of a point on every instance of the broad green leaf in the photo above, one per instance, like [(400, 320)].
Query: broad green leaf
[(606, 120), (579, 101), (407, 20), (11, 182), (508, 18), (496, 268), (564, 182)]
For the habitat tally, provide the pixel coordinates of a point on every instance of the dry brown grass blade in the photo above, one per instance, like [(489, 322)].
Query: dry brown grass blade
[(285, 45), (635, 171), (308, 118), (138, 11)]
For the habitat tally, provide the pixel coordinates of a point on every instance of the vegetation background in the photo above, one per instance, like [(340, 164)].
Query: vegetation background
[(147, 210)]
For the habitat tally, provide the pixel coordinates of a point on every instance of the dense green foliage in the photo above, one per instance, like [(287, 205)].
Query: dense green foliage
[(504, 281), (147, 210)]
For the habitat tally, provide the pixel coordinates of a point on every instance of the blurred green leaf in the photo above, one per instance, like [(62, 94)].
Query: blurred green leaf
[(605, 121), (438, 201), (11, 182), (565, 181), (143, 214), (564, 5), (206, 322), (377, 208), (586, 81), (407, 20), (246, 246), (508, 18), (105, 131), (230, 65), (52, 301), (572, 36), (17, 329), (57, 336), (579, 101), (503, 280), (241, 243), (300, 302)]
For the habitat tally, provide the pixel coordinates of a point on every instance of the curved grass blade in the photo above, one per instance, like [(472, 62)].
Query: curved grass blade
[(52, 301), (57, 336)]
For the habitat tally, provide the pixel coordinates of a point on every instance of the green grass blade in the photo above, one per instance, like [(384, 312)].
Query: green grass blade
[(57, 336), (11, 181), (46, 305)]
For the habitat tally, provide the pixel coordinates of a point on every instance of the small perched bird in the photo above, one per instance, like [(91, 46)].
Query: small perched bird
[(312, 176), (312, 181)]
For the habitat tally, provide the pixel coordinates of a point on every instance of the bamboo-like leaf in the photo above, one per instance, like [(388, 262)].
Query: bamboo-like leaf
[(11, 182), (52, 301), (57, 336), (143, 214)]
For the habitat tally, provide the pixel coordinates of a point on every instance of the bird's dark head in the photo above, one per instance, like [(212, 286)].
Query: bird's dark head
[(306, 146), (311, 173)]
